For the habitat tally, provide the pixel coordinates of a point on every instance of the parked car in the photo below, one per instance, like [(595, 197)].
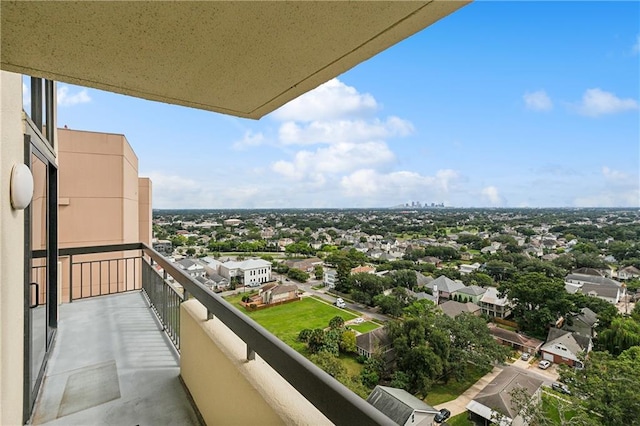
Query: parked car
[(560, 387), (340, 303), (358, 320), (525, 356), (544, 364), (443, 415)]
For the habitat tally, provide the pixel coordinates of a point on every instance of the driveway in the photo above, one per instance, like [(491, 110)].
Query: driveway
[(459, 405)]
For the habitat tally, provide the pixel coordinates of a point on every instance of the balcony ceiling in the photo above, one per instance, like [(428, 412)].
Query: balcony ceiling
[(239, 58)]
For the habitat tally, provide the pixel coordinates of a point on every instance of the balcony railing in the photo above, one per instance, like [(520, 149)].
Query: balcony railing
[(146, 269)]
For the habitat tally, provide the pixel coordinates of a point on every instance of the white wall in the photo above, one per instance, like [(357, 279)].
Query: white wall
[(11, 253)]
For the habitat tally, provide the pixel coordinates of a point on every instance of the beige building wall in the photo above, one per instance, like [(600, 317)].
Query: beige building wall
[(145, 211), (99, 204), (98, 193), (11, 254)]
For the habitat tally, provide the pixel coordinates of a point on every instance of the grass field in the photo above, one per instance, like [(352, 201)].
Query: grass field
[(550, 407), (365, 327), (286, 321), (440, 392), (460, 420)]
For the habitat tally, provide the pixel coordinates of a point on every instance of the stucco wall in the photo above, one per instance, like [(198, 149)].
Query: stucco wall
[(11, 253), (226, 388)]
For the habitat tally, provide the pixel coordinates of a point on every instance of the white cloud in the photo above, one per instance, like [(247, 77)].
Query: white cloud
[(616, 175), (333, 160), (329, 101), (538, 101), (65, 98), (336, 131), (397, 186), (249, 139), (492, 195), (597, 102)]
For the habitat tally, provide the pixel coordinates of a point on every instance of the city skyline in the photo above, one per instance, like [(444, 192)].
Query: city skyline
[(501, 104)]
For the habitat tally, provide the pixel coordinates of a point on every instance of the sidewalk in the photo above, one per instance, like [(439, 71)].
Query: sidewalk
[(459, 404)]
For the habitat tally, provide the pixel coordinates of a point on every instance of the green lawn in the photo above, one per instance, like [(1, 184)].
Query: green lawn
[(353, 367), (364, 327), (286, 321), (441, 392), (550, 406), (460, 420)]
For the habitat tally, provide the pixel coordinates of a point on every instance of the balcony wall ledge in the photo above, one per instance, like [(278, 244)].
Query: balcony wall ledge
[(228, 389)]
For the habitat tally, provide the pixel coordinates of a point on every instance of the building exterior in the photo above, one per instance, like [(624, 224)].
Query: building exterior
[(401, 407), (163, 247), (276, 67), (452, 308), (494, 401), (493, 305), (251, 272), (445, 287), (517, 341), (94, 210), (329, 278), (565, 347), (473, 293)]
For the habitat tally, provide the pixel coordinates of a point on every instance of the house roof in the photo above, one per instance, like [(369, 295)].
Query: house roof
[(422, 279), (588, 271), (282, 289), (573, 342), (240, 58), (247, 264), (513, 337), (452, 308), (630, 270), (446, 284), (593, 279), (600, 290), (491, 296), (496, 395), (472, 290), (378, 338), (397, 404)]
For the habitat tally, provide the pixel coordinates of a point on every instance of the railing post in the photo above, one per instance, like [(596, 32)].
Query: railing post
[(209, 314), (251, 354), (70, 278), (164, 305)]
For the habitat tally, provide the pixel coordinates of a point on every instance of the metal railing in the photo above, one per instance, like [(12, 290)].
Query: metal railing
[(164, 299), (333, 399)]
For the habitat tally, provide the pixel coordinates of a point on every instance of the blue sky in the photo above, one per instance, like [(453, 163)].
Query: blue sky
[(502, 104)]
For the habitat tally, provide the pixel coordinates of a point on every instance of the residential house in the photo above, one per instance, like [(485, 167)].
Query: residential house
[(423, 280), (467, 269), (273, 293), (582, 323), (452, 309), (402, 407), (444, 286), (364, 269), (472, 293), (495, 401), (163, 247), (465, 255), (250, 272), (517, 341), (628, 272), (431, 259), (232, 222), (597, 286), (193, 267), (564, 347), (493, 305), (307, 265), (375, 341), (329, 278)]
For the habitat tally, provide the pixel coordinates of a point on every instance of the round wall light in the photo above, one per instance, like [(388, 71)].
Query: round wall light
[(21, 186)]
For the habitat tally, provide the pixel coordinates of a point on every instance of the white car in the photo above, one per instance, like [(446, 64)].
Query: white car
[(358, 320), (544, 364)]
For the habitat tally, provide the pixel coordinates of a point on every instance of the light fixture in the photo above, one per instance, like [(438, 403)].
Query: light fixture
[(21, 189)]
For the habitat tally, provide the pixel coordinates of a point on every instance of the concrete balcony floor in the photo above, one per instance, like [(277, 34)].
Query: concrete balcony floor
[(112, 364)]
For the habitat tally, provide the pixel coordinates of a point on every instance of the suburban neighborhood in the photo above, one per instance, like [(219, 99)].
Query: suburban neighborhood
[(509, 305)]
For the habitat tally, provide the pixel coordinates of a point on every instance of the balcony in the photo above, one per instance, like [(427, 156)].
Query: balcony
[(141, 342)]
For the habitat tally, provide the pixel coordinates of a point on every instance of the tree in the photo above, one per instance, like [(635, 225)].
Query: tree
[(404, 278), (336, 322), (537, 301), (530, 409), (298, 275), (348, 342), (608, 387), (330, 363), (620, 336), (318, 271)]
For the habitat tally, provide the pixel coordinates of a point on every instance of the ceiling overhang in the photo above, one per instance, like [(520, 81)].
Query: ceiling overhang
[(240, 58)]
